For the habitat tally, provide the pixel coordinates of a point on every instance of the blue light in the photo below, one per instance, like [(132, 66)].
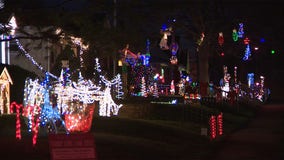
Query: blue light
[(247, 53), (250, 79), (262, 40), (164, 27), (174, 101)]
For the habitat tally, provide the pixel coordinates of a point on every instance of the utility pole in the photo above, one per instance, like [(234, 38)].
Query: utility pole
[(114, 14), (114, 27)]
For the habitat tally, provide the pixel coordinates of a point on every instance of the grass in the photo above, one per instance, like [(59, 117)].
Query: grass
[(158, 132), (145, 139)]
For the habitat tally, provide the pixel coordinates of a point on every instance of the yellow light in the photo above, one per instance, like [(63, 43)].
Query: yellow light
[(119, 63)]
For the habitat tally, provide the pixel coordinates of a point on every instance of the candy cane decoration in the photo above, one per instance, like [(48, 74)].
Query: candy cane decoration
[(18, 121), (35, 118)]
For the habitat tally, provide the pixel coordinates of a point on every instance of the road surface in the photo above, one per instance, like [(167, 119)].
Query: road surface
[(262, 139)]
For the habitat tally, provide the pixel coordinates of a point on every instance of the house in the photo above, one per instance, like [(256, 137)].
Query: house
[(30, 48)]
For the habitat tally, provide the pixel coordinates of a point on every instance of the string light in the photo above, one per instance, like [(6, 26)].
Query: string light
[(146, 57), (241, 30), (172, 88), (246, 41), (143, 88), (221, 38), (156, 93), (220, 124), (119, 88), (79, 94), (35, 124), (30, 58), (18, 121), (235, 35), (201, 39), (212, 124), (235, 74), (250, 79), (247, 53)]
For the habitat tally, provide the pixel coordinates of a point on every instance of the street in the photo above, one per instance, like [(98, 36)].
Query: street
[(262, 139)]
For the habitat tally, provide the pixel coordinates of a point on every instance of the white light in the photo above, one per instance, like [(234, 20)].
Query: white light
[(12, 23)]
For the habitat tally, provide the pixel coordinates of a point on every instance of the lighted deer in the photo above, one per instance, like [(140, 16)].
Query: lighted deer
[(107, 105)]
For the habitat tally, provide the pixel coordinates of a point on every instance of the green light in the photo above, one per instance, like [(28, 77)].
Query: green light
[(272, 51)]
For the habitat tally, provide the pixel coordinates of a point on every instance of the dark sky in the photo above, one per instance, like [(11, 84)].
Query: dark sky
[(261, 18)]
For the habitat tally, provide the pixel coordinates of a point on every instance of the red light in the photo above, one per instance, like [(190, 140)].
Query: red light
[(246, 40), (18, 121), (79, 122), (212, 123), (220, 124), (222, 54)]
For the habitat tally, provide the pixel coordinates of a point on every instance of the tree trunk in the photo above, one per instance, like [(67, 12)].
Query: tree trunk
[(203, 69)]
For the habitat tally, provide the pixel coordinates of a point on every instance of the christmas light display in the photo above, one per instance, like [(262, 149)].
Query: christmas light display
[(35, 124), (97, 65), (119, 88), (221, 38), (79, 42), (250, 79), (174, 49), (261, 89), (181, 86), (272, 51), (235, 35), (21, 48), (173, 60), (246, 41), (225, 87), (247, 53), (241, 30), (235, 74), (81, 120), (132, 59), (143, 88), (201, 39), (162, 76), (146, 57), (73, 100), (220, 124), (107, 105), (213, 125), (50, 116), (172, 89), (156, 93), (12, 25), (165, 31), (16, 106), (30, 58), (136, 74), (33, 115)]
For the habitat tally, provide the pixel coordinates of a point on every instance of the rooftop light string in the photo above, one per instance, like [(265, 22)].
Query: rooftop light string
[(27, 55)]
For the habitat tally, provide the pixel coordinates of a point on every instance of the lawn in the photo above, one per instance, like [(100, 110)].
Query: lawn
[(155, 132)]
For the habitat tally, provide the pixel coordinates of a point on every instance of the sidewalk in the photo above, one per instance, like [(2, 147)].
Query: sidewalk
[(262, 139)]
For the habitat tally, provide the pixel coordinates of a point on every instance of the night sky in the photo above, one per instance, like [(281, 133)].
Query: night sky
[(261, 18)]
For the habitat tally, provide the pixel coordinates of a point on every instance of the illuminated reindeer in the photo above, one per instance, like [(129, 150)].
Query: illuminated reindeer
[(107, 105)]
